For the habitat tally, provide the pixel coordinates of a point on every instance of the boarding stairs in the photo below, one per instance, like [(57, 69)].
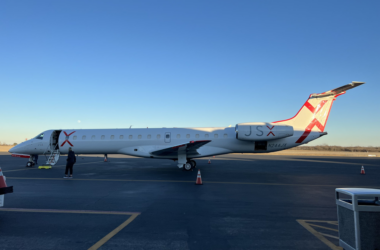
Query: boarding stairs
[(52, 156)]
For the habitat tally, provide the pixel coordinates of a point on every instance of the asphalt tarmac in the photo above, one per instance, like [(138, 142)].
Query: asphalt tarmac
[(245, 202)]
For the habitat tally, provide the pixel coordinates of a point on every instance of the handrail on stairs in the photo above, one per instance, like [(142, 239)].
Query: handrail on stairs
[(53, 153)]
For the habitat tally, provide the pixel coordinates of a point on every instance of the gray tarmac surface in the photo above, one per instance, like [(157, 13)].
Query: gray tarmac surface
[(245, 202)]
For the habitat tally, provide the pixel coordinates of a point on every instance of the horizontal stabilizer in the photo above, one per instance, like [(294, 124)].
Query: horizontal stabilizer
[(337, 91)]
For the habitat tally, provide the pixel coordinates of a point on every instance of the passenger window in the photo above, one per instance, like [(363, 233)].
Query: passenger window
[(167, 136), (178, 136), (139, 136), (206, 135), (187, 136), (225, 135), (84, 137), (93, 137), (75, 137), (112, 137), (158, 136), (130, 137), (121, 137), (216, 136), (103, 137), (197, 136), (40, 136), (149, 136)]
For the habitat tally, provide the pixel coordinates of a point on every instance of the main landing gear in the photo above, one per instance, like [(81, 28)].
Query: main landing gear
[(190, 165)]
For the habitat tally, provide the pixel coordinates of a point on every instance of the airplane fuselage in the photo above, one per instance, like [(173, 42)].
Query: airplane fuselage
[(141, 142), (184, 144)]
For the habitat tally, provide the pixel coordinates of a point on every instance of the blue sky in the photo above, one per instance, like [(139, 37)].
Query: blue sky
[(112, 64)]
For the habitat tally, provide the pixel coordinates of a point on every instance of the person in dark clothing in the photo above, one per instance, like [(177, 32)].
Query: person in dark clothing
[(71, 160), (35, 159)]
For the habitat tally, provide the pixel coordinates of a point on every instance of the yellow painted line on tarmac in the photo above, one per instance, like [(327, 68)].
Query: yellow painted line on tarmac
[(333, 223), (179, 181), (102, 241), (334, 162), (22, 169), (76, 164), (28, 210), (270, 184), (331, 236), (328, 228), (74, 179), (320, 236), (56, 166), (113, 233), (284, 159)]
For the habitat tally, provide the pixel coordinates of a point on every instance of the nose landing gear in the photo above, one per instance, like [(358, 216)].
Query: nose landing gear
[(31, 162)]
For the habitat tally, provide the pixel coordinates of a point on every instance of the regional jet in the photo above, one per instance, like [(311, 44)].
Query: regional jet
[(183, 145)]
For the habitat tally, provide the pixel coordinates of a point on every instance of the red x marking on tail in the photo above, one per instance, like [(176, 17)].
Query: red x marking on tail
[(308, 129), (316, 109), (314, 122), (67, 138), (270, 131)]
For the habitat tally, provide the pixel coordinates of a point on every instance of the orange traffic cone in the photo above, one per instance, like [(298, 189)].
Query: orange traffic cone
[(2, 180), (105, 159), (209, 162), (3, 185), (199, 178), (362, 171)]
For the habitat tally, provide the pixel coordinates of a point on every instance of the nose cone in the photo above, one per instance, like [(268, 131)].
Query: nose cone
[(18, 149), (12, 150)]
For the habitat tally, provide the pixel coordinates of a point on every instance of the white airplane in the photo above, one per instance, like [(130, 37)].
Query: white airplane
[(185, 144)]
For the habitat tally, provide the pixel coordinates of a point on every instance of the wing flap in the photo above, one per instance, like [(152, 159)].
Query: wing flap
[(190, 148)]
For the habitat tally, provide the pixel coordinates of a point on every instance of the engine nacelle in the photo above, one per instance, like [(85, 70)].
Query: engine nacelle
[(262, 131)]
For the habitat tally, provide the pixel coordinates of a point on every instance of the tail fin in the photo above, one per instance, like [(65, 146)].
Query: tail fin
[(314, 113)]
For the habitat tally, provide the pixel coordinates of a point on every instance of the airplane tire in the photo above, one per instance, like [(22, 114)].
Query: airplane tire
[(193, 164), (187, 166), (29, 164)]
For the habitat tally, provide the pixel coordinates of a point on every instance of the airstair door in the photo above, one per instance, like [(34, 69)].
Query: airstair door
[(52, 153), (54, 140), (167, 137)]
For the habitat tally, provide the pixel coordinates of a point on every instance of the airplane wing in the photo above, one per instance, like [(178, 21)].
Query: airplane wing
[(190, 148)]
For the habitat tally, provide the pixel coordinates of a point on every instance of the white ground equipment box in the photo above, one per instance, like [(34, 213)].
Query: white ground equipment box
[(4, 189), (358, 218)]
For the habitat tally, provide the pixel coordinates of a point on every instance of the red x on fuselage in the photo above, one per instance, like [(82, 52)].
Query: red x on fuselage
[(270, 131), (67, 138)]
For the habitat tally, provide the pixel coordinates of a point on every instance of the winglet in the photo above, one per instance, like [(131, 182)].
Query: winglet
[(337, 91)]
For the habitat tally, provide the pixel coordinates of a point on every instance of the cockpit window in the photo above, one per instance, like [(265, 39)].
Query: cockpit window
[(40, 136)]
